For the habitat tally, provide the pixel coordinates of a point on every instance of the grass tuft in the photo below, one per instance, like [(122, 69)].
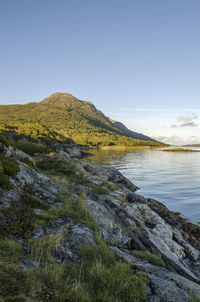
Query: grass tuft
[(151, 258)]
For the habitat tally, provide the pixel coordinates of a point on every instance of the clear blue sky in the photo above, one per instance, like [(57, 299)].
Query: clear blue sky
[(137, 61)]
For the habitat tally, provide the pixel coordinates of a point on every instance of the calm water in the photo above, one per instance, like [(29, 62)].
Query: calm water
[(170, 177)]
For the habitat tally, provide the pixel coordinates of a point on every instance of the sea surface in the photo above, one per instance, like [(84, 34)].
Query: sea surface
[(172, 178)]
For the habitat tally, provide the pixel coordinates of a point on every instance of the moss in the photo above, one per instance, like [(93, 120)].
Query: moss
[(151, 258)]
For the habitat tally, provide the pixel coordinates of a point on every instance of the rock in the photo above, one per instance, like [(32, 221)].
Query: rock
[(38, 232), (28, 264), (57, 205), (110, 231), (61, 155), (79, 234), (20, 155), (58, 225), (165, 285), (168, 290), (134, 198), (39, 211), (116, 177), (74, 151)]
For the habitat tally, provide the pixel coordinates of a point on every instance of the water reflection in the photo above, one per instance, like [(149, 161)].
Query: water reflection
[(170, 177)]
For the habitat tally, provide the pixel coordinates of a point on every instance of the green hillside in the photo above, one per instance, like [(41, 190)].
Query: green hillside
[(64, 116)]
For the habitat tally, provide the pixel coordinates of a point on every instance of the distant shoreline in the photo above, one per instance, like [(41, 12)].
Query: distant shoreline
[(180, 150)]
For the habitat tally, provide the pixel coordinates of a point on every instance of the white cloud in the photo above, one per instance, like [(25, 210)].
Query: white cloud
[(176, 139), (186, 121)]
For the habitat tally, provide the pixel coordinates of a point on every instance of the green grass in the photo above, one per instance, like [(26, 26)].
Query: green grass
[(20, 298), (151, 258), (194, 298), (33, 202), (10, 275), (98, 278)]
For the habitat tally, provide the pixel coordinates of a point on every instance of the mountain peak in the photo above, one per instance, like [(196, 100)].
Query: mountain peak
[(60, 99)]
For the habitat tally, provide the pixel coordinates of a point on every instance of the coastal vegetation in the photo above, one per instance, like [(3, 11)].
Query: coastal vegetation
[(192, 145), (180, 150)]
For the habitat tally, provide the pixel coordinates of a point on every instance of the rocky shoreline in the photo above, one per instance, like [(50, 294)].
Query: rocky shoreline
[(128, 223)]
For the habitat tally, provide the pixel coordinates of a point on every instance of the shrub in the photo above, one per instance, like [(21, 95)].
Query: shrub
[(7, 167), (4, 140), (11, 167), (4, 182), (57, 167), (31, 148), (151, 258)]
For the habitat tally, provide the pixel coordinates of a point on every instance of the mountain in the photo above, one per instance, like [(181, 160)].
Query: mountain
[(130, 133), (70, 118)]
